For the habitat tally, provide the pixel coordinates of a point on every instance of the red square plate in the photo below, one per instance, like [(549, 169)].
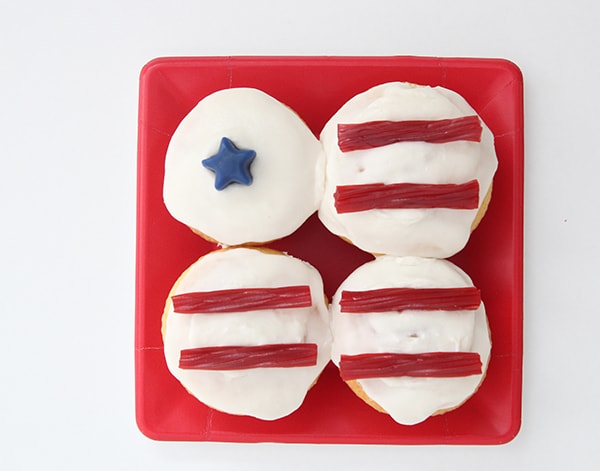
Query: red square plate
[(315, 87)]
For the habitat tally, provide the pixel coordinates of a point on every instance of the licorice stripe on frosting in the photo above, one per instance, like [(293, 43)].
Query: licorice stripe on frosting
[(232, 357), (359, 136), (356, 198), (242, 299), (401, 299), (420, 365)]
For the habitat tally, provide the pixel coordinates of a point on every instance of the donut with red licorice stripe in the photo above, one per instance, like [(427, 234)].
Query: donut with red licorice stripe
[(246, 331), (409, 170), (410, 336)]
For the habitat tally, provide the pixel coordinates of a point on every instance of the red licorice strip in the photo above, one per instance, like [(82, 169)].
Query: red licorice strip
[(401, 299), (419, 365), (355, 198), (382, 133), (244, 357), (242, 300)]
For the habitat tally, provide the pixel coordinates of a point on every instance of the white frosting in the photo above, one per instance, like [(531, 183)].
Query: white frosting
[(434, 232), (411, 400), (287, 171), (265, 393)]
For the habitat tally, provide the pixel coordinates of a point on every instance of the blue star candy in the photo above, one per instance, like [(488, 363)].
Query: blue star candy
[(230, 165)]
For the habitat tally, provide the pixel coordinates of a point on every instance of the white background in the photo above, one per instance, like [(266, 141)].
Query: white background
[(68, 123)]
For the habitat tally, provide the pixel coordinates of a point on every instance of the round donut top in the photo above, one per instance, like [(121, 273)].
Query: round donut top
[(264, 392), (437, 231), (242, 167), (416, 329)]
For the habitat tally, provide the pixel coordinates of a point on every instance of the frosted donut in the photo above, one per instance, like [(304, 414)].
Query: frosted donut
[(410, 336), (242, 167), (409, 170), (246, 331)]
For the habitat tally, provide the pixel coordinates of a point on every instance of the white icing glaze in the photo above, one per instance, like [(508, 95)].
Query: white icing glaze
[(287, 171), (411, 400), (265, 393), (435, 232)]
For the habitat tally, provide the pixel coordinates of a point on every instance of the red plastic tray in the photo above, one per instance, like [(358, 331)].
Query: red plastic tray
[(315, 87)]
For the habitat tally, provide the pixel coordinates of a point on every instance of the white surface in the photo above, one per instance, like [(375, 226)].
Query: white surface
[(69, 75)]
